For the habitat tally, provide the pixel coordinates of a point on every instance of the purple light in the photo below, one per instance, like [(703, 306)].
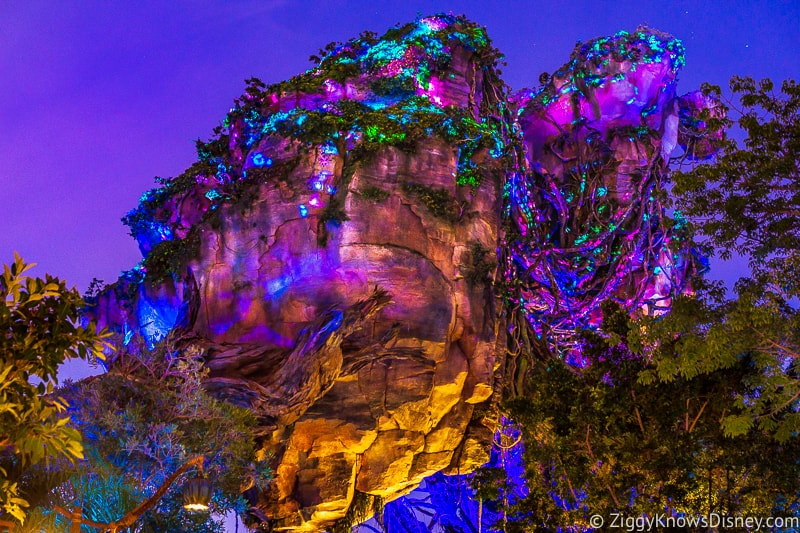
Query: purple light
[(589, 226)]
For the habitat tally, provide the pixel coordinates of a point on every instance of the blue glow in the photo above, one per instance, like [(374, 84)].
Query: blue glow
[(276, 287), (448, 503), (127, 334), (329, 149), (260, 161), (156, 316), (213, 194), (376, 105), (303, 210)]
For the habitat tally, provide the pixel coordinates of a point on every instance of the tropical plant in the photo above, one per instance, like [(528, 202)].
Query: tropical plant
[(142, 421), (747, 203), (698, 410), (39, 329), (613, 437)]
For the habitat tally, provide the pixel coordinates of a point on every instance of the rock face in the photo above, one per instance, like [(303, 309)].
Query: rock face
[(587, 213), (403, 387), (335, 250)]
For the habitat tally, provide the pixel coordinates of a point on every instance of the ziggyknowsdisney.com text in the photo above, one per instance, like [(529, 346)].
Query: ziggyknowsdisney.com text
[(714, 520)]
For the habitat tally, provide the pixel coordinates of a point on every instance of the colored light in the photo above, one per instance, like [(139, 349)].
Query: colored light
[(260, 161)]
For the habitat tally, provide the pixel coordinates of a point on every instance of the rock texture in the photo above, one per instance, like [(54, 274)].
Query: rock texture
[(335, 250), (339, 277), (586, 206)]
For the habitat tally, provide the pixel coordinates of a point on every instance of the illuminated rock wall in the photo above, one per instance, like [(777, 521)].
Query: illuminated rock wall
[(586, 207), (333, 253), (335, 250)]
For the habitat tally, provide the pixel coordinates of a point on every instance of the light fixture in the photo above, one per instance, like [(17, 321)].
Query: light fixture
[(197, 494)]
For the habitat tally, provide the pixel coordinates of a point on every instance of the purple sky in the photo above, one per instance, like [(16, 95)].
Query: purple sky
[(99, 97)]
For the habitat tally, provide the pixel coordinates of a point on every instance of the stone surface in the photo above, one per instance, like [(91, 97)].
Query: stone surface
[(335, 251), (363, 343)]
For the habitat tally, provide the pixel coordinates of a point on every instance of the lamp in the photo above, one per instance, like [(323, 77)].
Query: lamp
[(197, 494)]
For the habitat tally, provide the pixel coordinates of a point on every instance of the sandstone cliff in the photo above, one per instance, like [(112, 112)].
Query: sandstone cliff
[(359, 248)]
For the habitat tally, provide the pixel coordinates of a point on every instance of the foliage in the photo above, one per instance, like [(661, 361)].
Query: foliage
[(579, 226), (141, 421), (169, 258), (698, 410), (588, 66), (748, 203), (369, 54), (706, 334), (393, 69), (374, 194), (361, 508), (439, 201), (481, 265), (334, 213), (39, 330), (611, 437), (140, 220), (397, 105)]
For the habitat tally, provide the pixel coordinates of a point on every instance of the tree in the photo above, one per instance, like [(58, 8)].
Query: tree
[(39, 330), (613, 438), (142, 420), (748, 203)]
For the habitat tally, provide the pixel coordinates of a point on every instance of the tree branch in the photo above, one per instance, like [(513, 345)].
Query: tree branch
[(134, 515)]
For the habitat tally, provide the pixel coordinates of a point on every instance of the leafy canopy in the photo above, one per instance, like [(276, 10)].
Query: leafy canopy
[(613, 437), (39, 330), (144, 419), (697, 411), (748, 201)]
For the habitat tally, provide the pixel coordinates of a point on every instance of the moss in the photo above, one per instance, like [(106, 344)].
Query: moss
[(355, 129), (374, 194), (588, 67), (439, 202), (149, 209), (170, 258), (333, 213), (401, 124), (244, 194), (481, 264)]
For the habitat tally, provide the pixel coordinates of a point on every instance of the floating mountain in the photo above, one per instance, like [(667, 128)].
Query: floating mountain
[(368, 252)]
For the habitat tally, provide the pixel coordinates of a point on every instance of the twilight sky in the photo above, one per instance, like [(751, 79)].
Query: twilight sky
[(99, 97)]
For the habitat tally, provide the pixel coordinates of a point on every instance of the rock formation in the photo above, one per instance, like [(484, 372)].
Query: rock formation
[(358, 248)]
